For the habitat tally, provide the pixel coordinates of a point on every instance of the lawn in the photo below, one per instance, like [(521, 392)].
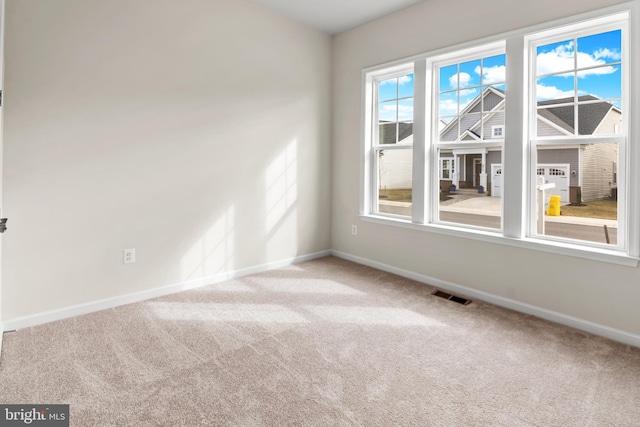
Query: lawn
[(400, 195), (604, 209)]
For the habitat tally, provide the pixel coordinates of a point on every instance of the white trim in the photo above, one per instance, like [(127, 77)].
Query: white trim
[(563, 247), (543, 313), (90, 307)]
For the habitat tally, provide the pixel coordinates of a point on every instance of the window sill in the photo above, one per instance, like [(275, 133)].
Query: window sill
[(559, 248)]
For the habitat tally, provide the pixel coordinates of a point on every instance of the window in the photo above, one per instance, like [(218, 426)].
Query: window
[(447, 168), (393, 142), (576, 116), (470, 104), (493, 147)]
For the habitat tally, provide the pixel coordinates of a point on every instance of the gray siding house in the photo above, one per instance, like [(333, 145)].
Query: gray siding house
[(586, 171)]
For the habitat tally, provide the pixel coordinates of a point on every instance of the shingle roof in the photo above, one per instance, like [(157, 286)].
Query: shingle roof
[(589, 115), (388, 132)]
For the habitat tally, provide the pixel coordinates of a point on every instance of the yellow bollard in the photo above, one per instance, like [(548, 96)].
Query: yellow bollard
[(554, 206)]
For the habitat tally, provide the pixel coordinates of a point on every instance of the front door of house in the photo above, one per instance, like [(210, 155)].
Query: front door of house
[(477, 170)]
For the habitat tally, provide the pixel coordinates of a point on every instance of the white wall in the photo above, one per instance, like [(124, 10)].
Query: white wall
[(196, 131), (595, 292)]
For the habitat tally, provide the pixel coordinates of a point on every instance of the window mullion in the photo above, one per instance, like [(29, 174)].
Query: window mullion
[(514, 151), (420, 125)]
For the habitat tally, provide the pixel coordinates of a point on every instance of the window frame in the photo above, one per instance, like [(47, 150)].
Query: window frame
[(516, 158), (373, 123)]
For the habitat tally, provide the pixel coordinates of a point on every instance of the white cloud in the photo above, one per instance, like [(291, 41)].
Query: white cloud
[(401, 80), (607, 53), (493, 74), (448, 107), (551, 92), (562, 59), (463, 78), (405, 113)]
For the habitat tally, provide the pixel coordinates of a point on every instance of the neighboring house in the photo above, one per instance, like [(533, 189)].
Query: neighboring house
[(586, 169)]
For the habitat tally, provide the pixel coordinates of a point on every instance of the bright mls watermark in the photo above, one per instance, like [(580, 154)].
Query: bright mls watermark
[(34, 415)]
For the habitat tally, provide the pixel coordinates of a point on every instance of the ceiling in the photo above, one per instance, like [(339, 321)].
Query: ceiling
[(335, 16)]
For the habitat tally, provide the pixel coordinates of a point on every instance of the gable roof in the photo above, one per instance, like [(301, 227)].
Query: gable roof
[(591, 113), (388, 132)]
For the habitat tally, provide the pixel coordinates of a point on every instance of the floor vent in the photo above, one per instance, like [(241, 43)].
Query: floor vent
[(450, 297)]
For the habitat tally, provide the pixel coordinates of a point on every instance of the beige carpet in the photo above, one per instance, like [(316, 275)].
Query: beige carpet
[(324, 343)]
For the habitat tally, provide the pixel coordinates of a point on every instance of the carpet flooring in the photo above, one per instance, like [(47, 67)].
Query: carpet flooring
[(322, 343)]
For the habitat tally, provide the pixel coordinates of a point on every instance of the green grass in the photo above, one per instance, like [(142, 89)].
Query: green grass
[(604, 209), (400, 195)]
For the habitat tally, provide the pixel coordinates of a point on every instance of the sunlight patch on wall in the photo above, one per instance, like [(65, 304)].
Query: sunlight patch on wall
[(214, 252), (282, 185)]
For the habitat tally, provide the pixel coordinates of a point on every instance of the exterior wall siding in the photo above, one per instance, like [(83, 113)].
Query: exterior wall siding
[(598, 179)]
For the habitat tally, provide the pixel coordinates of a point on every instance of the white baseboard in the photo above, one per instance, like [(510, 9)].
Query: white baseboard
[(80, 309), (553, 316)]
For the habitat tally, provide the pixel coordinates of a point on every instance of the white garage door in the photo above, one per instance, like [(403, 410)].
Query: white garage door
[(496, 180), (558, 175)]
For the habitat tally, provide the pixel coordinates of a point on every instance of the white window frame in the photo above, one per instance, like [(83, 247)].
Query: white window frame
[(585, 28), (518, 173), (451, 168), (494, 129), (370, 200)]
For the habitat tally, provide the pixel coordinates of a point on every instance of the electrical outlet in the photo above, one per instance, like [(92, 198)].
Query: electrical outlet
[(354, 229), (129, 256)]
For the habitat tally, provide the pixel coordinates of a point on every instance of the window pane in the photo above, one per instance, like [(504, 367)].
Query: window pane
[(602, 83), (471, 195), (388, 133), (448, 78), (555, 121), (448, 104), (388, 89), (388, 111), (494, 69), (493, 97), (493, 125), (405, 110), (395, 181), (598, 49), (470, 127), (600, 118), (469, 74), (582, 203), (449, 127), (559, 87), (555, 58), (405, 86)]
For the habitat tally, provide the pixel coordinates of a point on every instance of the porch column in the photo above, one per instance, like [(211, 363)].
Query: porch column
[(456, 166), (483, 171)]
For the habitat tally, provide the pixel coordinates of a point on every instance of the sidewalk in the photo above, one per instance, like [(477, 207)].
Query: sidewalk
[(491, 206)]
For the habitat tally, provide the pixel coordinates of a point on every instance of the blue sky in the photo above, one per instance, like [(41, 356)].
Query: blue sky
[(598, 73), (395, 98)]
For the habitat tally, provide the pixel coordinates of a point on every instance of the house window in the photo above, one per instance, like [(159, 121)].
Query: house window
[(447, 168), (564, 130)]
